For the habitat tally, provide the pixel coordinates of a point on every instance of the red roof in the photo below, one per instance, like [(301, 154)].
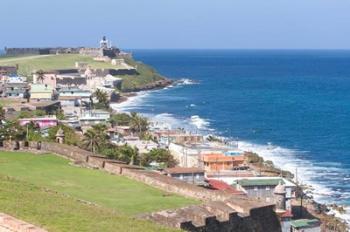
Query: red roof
[(220, 185), (287, 214)]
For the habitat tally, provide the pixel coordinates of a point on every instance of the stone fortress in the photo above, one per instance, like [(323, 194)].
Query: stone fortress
[(105, 50), (219, 211)]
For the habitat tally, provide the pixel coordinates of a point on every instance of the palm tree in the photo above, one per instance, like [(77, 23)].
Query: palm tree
[(95, 138), (102, 97), (128, 154), (2, 114), (91, 140), (138, 123), (40, 76)]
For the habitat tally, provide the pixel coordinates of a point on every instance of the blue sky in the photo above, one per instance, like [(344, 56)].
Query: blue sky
[(290, 24)]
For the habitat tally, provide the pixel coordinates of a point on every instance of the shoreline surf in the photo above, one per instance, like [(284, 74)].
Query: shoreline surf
[(284, 158)]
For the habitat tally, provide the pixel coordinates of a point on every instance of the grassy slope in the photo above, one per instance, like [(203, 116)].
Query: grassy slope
[(27, 64), (147, 75), (117, 192), (57, 213)]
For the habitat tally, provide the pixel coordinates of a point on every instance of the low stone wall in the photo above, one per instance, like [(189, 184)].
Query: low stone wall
[(250, 215), (218, 216), (11, 224)]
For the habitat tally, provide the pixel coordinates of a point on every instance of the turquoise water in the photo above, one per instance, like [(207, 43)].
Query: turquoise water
[(298, 102)]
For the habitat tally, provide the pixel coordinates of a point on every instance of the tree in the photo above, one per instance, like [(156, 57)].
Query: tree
[(31, 114), (138, 123), (2, 114), (128, 154), (91, 140), (40, 76), (159, 155), (12, 130), (102, 97), (121, 119), (95, 138), (70, 137), (33, 132)]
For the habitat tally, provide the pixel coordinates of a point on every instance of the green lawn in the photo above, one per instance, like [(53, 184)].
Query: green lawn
[(116, 192), (30, 63), (112, 193), (59, 213), (27, 64)]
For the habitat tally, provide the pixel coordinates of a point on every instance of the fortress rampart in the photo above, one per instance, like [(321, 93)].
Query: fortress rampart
[(220, 211), (95, 52)]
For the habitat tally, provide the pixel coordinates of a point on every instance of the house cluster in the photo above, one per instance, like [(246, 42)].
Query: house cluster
[(212, 164), (71, 90), (222, 166)]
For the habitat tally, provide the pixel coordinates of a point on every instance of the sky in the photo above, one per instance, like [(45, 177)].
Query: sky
[(174, 24)]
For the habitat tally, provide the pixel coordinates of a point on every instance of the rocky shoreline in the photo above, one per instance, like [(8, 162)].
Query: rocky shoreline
[(310, 209), (304, 204)]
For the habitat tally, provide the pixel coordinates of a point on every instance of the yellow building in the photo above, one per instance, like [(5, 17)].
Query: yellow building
[(41, 92)]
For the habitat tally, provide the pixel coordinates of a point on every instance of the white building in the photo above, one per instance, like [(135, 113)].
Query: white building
[(305, 225)]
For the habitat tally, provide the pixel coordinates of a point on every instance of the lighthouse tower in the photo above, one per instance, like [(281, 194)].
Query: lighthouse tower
[(104, 43)]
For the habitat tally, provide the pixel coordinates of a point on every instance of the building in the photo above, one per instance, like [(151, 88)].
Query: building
[(60, 78), (217, 162), (190, 175), (165, 137), (220, 185), (112, 82), (93, 117), (143, 146), (42, 122), (264, 188), (15, 89), (105, 49), (122, 130), (73, 96), (305, 225), (8, 70), (41, 92)]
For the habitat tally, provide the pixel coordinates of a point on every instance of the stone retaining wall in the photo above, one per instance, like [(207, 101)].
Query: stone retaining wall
[(250, 215)]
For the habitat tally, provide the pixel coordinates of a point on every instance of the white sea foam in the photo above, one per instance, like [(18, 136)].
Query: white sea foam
[(186, 81), (309, 173), (199, 123), (131, 103)]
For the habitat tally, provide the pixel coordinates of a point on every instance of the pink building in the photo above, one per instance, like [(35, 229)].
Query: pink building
[(43, 122)]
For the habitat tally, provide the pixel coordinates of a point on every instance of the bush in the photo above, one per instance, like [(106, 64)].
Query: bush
[(70, 137), (161, 156)]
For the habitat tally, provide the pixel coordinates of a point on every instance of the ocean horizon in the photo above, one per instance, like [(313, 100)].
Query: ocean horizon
[(289, 106)]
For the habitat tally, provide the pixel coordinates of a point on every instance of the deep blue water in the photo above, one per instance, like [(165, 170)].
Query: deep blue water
[(297, 100)]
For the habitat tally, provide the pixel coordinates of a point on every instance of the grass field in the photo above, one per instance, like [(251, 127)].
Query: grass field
[(28, 64), (46, 185)]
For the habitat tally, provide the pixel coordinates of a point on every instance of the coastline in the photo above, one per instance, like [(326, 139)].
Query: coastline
[(326, 211)]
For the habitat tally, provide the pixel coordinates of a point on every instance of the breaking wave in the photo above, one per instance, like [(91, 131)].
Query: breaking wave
[(318, 176)]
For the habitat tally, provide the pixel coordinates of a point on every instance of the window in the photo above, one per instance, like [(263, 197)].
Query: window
[(268, 188), (255, 188)]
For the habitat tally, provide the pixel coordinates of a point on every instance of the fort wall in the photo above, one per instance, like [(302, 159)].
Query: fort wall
[(221, 211)]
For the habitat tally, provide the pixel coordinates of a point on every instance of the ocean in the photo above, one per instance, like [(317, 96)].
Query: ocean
[(289, 106)]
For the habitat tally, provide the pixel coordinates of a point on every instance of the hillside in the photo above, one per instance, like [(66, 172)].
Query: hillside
[(63, 191), (27, 64)]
